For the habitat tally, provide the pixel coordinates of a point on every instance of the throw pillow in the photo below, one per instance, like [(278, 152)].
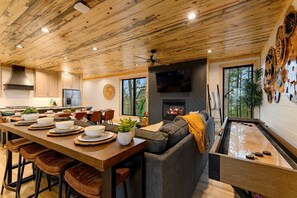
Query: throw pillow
[(155, 141), (176, 131), (153, 127)]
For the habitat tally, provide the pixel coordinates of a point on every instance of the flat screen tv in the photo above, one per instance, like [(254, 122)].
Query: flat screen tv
[(174, 81)]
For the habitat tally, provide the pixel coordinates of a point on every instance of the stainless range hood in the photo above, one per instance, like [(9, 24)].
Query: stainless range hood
[(18, 79)]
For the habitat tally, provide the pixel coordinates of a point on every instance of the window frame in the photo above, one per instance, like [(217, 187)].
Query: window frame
[(134, 94)]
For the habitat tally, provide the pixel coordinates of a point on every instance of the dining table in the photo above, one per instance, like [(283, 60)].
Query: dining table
[(104, 157)]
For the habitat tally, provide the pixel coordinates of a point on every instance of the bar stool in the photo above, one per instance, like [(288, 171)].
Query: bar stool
[(96, 117), (80, 115), (108, 116), (53, 164), (29, 154), (13, 146), (87, 181)]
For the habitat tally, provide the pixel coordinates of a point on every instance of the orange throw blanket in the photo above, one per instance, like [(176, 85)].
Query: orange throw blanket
[(197, 128)]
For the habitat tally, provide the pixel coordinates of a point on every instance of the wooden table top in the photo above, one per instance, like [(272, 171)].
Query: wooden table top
[(247, 139), (101, 157)]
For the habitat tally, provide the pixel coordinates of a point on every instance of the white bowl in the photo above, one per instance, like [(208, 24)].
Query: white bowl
[(46, 120), (64, 124), (94, 131), (29, 117), (49, 111), (17, 114)]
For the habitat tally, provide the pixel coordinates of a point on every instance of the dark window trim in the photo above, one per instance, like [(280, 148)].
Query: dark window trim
[(223, 92), (134, 95)]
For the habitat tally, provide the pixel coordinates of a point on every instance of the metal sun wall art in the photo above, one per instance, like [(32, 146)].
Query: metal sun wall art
[(280, 74)]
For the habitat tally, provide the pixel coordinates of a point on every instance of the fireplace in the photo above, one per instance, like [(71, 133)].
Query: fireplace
[(173, 108)]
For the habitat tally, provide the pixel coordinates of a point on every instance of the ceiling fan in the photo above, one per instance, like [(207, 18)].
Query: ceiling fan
[(153, 58)]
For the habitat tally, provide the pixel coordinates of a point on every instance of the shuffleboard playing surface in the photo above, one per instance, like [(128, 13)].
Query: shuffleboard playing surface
[(247, 139)]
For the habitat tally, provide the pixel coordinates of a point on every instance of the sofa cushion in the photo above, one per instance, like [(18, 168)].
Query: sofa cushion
[(110, 127), (176, 131), (153, 127), (155, 141)]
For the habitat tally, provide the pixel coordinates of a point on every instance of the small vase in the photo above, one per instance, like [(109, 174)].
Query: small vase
[(124, 138)]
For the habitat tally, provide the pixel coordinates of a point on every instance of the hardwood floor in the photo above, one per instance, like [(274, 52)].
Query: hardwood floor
[(206, 188)]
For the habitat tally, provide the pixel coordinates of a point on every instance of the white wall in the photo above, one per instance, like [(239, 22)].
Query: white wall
[(282, 117), (20, 97), (93, 94)]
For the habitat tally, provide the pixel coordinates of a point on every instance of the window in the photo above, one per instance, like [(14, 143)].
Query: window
[(134, 96), (232, 91)]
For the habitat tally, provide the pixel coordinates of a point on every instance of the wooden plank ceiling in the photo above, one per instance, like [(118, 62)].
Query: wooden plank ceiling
[(124, 30)]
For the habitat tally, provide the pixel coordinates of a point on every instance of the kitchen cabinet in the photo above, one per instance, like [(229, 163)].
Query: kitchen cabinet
[(46, 84), (70, 81)]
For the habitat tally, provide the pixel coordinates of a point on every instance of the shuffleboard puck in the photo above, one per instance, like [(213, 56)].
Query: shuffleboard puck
[(259, 154), (250, 156), (266, 152)]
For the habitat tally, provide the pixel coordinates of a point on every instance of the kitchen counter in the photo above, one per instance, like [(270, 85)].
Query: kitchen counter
[(43, 109)]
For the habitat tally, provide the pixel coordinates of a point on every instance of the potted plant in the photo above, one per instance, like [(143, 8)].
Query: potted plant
[(124, 131), (252, 91)]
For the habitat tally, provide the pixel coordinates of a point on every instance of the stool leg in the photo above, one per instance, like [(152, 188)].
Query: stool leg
[(37, 185), (9, 155), (125, 189), (49, 182), (60, 186), (68, 190), (21, 167)]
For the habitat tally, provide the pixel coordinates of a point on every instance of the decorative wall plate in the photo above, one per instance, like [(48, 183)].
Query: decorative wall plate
[(279, 83), (291, 82), (269, 73), (108, 91), (290, 21), (281, 46), (277, 96)]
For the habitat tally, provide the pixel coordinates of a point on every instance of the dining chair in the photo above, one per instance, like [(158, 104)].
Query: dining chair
[(87, 180), (13, 146), (80, 115), (109, 116), (96, 117)]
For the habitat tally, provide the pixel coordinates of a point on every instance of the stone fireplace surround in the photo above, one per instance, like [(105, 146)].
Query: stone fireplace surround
[(194, 100)]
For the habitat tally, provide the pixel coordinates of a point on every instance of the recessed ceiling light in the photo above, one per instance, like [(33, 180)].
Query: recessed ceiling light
[(94, 48), (6, 54), (136, 64), (209, 51), (44, 29), (65, 58), (19, 46), (192, 16), (81, 7)]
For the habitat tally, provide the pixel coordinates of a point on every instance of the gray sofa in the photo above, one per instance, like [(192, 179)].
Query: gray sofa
[(170, 171)]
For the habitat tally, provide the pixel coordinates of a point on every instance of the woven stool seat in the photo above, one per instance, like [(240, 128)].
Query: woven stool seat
[(54, 163), (32, 151), (87, 180), (16, 144)]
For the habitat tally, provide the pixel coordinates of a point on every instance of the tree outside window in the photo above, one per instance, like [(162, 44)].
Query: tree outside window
[(134, 96)]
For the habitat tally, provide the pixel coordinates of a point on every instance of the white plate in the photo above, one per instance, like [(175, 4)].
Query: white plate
[(72, 129), (26, 121), (36, 125), (105, 135)]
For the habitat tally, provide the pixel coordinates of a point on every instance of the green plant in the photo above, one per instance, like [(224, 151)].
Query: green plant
[(125, 125), (140, 108), (252, 92), (29, 110)]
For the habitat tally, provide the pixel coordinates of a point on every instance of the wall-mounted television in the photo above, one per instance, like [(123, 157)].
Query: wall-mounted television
[(174, 81)]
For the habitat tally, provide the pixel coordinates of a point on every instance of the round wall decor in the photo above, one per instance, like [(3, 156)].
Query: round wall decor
[(290, 21), (281, 46), (108, 91), (269, 73)]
